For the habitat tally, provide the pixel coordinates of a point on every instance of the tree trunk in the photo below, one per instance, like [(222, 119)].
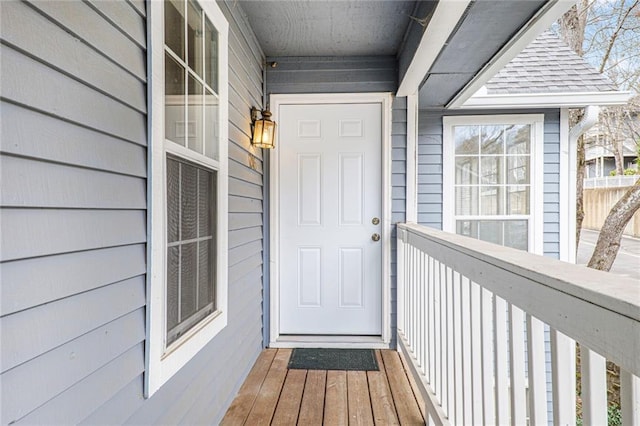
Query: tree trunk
[(609, 240)]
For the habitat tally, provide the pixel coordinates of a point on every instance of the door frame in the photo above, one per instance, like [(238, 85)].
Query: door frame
[(275, 339)]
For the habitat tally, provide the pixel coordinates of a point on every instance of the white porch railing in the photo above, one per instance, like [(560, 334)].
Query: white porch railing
[(471, 324), (610, 182)]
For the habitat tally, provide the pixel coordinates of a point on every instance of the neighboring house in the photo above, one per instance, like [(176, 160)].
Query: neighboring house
[(149, 252), (599, 159)]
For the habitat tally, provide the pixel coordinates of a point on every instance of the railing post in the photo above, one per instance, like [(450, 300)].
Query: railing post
[(400, 241)]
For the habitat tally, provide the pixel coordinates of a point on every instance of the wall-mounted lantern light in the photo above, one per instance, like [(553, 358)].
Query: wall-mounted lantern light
[(264, 130)]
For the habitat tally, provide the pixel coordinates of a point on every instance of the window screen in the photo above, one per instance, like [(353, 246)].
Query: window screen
[(191, 242)]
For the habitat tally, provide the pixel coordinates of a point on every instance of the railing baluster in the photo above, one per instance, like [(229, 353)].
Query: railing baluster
[(424, 311), (594, 387), (410, 250), (629, 398), (500, 360), (563, 371), (476, 352), (516, 362), (437, 388), (457, 370), (400, 283), (432, 324), (537, 372), (467, 372), (487, 353), (420, 304), (451, 390)]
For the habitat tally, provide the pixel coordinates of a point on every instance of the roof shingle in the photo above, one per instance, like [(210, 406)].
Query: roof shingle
[(548, 65)]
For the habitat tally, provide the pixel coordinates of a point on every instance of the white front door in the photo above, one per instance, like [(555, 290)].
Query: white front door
[(330, 207)]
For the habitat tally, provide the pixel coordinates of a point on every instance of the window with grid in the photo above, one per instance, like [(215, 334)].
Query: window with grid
[(192, 147), (188, 184), (492, 182)]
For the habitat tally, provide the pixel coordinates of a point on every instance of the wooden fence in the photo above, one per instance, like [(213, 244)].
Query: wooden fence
[(598, 203)]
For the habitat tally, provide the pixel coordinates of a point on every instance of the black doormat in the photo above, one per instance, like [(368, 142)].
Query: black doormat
[(333, 359)]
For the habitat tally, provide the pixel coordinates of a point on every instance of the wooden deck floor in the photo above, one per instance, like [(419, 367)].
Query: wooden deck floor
[(272, 394)]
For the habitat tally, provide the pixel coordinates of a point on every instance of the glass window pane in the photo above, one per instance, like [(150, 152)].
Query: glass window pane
[(189, 210), (211, 55), (466, 139), (174, 26), (491, 200), (491, 231), (188, 280), (211, 125), (173, 200), (492, 169), (492, 139), (205, 275), (195, 41), (173, 283), (468, 228), (518, 169), (466, 170), (517, 200), (467, 200), (195, 115), (516, 234), (518, 139), (174, 101)]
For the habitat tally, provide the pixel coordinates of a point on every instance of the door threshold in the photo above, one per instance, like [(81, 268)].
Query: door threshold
[(329, 341)]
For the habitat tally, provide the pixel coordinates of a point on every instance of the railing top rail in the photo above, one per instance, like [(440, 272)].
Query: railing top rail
[(597, 308)]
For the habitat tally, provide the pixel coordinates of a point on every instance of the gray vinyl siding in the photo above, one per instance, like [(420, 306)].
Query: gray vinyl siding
[(355, 75), (73, 165), (332, 74), (430, 189)]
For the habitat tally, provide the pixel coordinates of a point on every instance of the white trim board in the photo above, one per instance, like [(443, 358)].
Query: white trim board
[(385, 99), (443, 21), (547, 100)]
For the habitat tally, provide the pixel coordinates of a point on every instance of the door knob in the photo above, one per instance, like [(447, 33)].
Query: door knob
[(375, 237), (375, 221)]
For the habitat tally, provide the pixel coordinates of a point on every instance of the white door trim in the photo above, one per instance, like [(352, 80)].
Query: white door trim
[(385, 100)]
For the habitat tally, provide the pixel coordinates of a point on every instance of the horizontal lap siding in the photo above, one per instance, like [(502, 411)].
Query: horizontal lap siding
[(73, 165), (73, 218), (202, 390), (294, 75)]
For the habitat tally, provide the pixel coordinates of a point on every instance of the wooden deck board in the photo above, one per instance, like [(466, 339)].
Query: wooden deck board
[(272, 394), (384, 410), (242, 404), (335, 408), (267, 399), (290, 398), (403, 397), (312, 407)]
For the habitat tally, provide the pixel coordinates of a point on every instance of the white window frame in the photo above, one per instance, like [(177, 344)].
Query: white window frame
[(536, 202), (162, 363)]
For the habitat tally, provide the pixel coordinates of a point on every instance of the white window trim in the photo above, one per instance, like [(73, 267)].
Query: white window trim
[(536, 224), (161, 365)]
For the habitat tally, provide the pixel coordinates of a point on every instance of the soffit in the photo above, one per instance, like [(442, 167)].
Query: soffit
[(329, 28)]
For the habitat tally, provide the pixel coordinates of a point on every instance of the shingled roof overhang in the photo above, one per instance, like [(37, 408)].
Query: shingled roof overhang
[(547, 73)]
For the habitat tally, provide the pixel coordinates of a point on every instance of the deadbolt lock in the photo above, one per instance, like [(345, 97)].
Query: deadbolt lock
[(375, 237), (375, 221)]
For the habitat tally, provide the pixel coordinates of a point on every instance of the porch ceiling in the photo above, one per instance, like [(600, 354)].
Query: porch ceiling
[(324, 28), (329, 27)]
